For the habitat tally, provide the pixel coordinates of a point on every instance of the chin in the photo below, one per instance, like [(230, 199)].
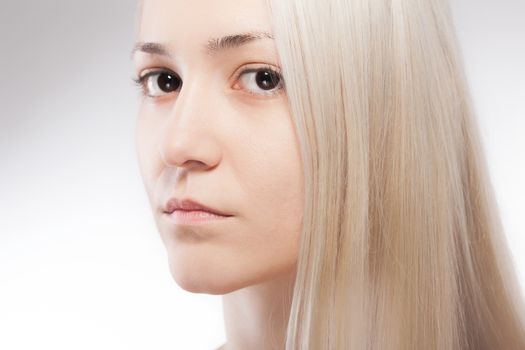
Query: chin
[(205, 285), (207, 281)]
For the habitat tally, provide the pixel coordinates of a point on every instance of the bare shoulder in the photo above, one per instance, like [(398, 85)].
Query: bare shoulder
[(222, 347)]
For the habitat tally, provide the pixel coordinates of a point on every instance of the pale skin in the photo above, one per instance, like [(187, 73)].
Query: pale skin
[(228, 142)]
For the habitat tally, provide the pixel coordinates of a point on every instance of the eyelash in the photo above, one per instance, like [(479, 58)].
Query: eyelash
[(141, 81)]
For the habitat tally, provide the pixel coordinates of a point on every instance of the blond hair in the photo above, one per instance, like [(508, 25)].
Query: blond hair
[(402, 245)]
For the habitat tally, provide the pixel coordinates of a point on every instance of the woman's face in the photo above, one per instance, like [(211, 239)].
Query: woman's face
[(216, 131)]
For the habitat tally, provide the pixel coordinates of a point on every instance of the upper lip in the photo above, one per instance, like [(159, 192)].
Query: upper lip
[(188, 204)]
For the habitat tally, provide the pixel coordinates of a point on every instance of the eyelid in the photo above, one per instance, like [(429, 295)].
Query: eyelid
[(153, 71), (260, 66)]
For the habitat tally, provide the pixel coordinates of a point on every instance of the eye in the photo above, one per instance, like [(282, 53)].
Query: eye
[(261, 81), (157, 83)]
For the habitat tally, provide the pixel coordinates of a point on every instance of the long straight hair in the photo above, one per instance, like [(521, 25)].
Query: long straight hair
[(402, 245)]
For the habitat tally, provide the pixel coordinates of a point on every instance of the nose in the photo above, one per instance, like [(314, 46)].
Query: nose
[(187, 138)]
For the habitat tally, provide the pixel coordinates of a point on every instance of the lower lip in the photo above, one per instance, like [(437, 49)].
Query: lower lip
[(184, 217)]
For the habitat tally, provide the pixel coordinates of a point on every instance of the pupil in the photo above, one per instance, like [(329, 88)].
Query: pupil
[(267, 80), (167, 82)]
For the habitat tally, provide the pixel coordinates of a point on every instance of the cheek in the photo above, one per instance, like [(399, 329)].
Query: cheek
[(281, 165), (147, 154), (143, 154), (274, 184)]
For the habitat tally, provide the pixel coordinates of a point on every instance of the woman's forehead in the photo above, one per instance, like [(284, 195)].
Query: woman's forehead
[(188, 22)]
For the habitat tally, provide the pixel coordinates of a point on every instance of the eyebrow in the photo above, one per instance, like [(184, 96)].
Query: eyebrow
[(213, 45)]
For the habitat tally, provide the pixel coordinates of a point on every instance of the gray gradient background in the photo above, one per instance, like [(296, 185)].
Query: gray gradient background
[(81, 264)]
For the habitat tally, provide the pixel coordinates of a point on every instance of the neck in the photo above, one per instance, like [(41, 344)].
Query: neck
[(256, 317)]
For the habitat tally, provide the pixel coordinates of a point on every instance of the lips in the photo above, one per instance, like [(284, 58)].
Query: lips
[(189, 205)]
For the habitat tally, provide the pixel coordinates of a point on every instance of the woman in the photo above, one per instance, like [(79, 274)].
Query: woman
[(350, 208)]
